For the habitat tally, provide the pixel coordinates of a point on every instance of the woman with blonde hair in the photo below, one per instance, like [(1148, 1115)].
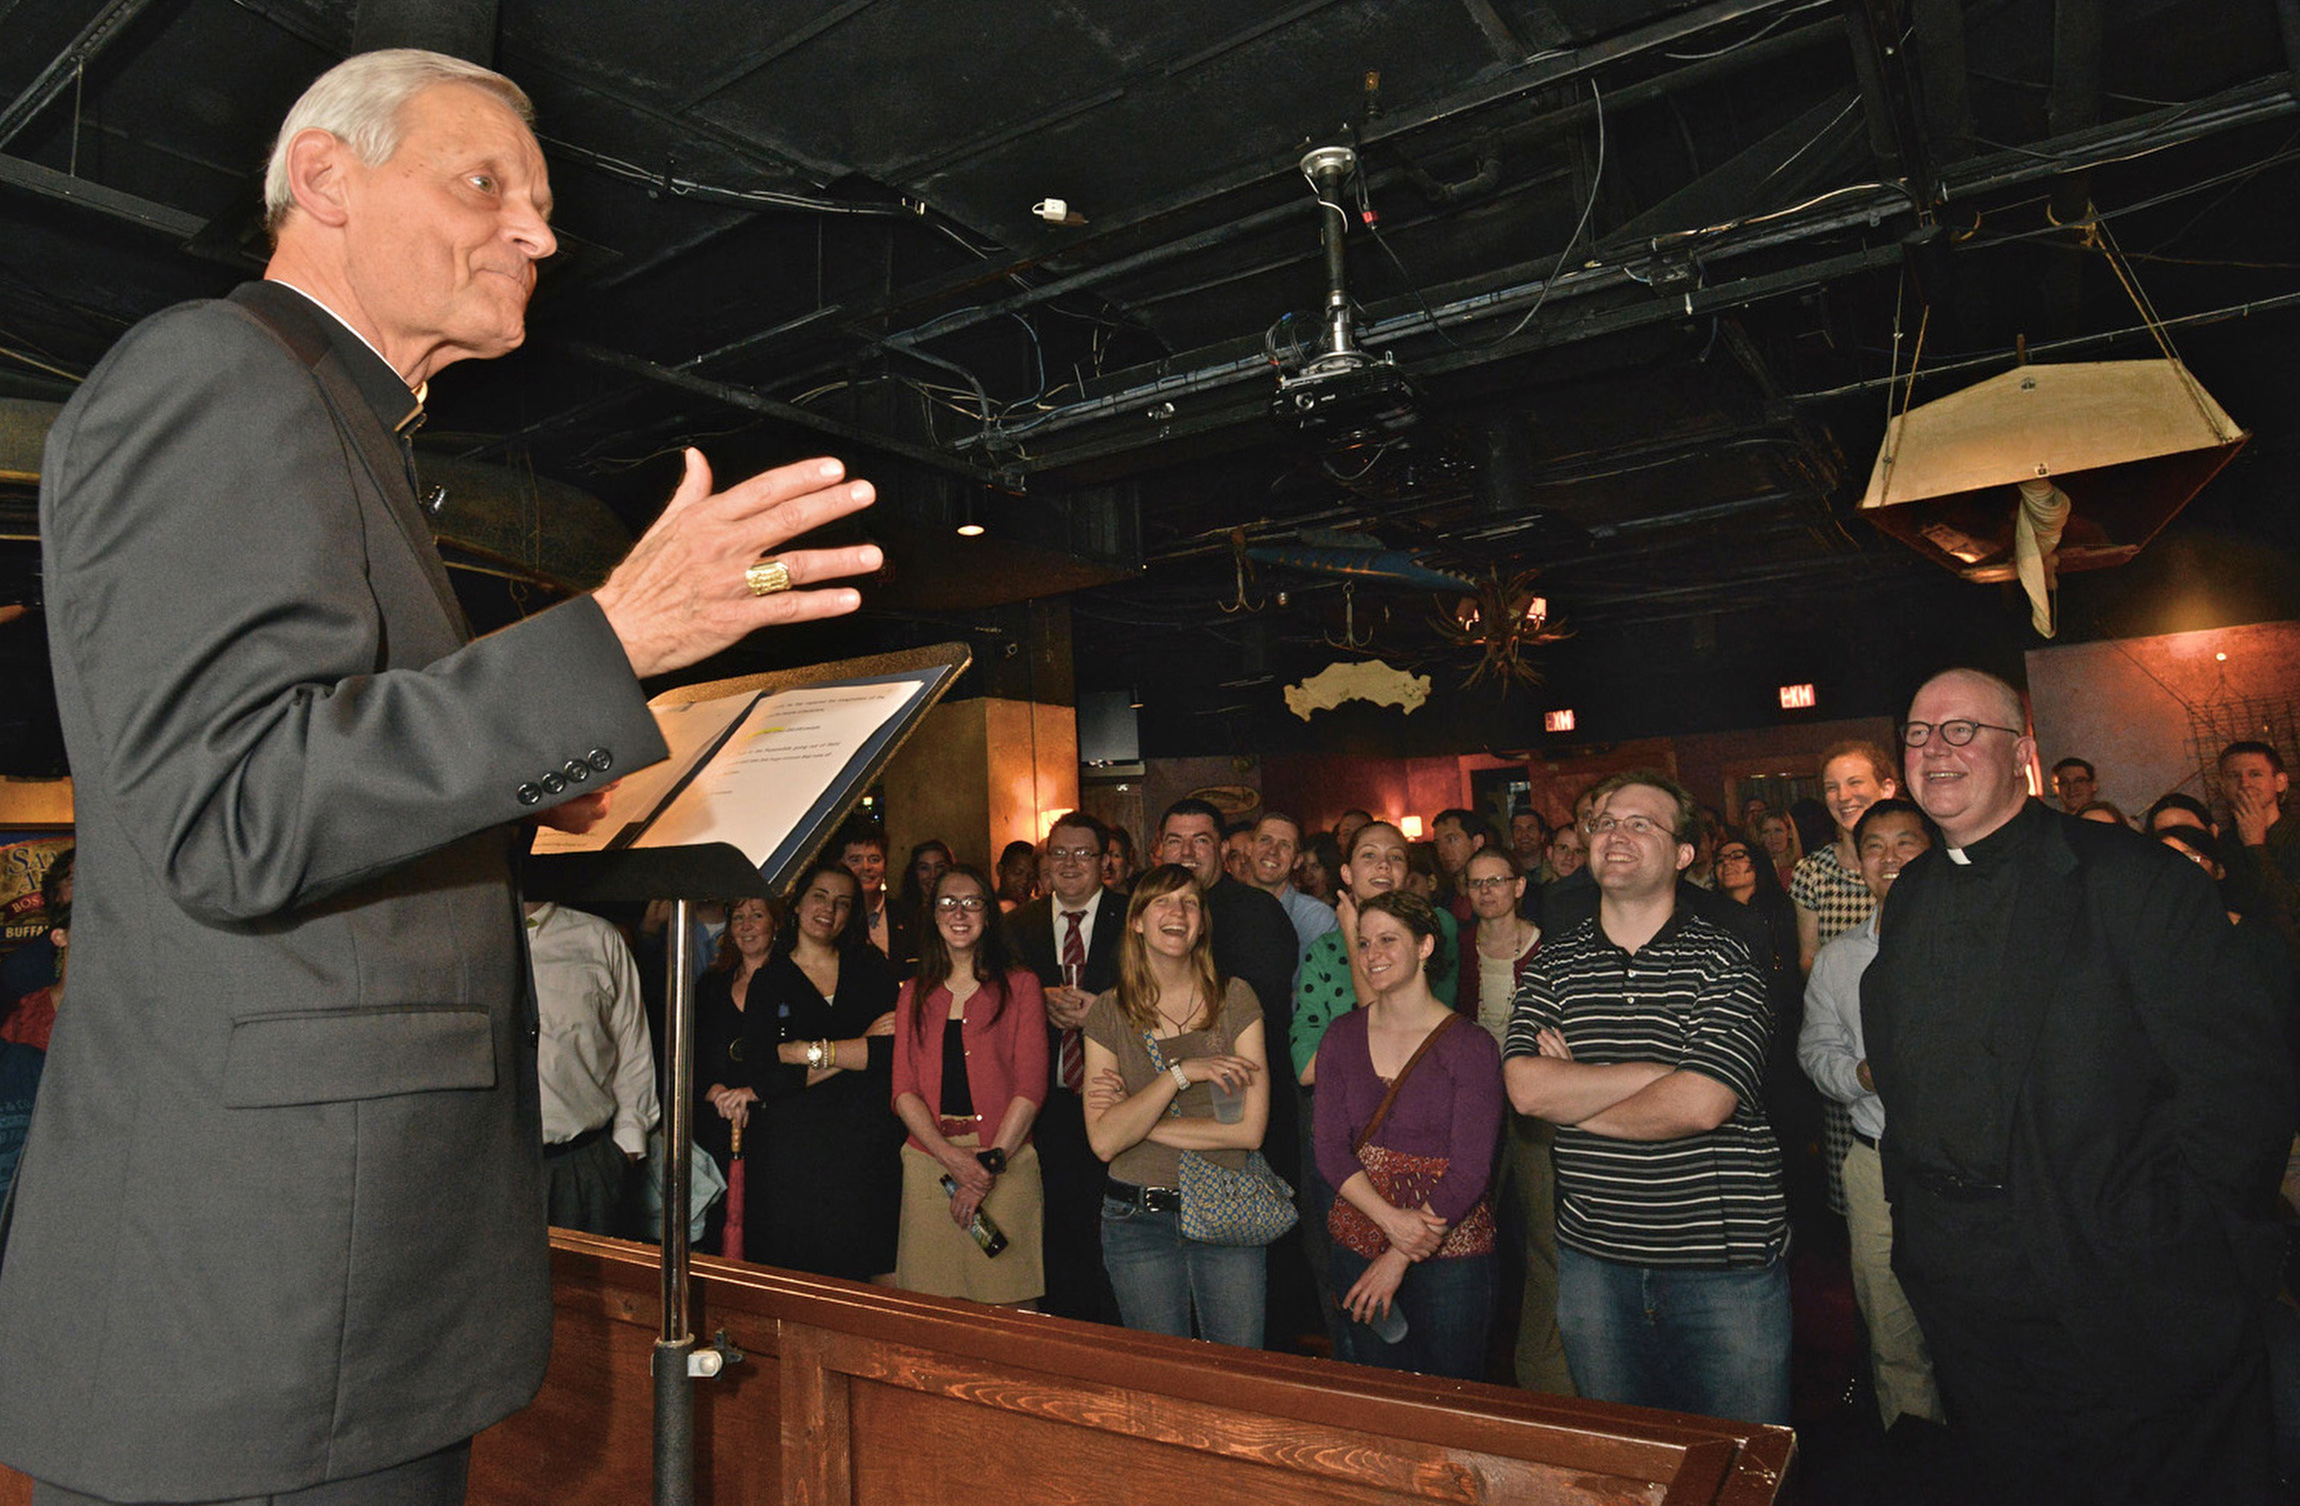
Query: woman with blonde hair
[(1175, 1062)]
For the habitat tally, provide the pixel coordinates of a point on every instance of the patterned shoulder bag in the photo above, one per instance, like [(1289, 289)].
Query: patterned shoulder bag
[(1249, 1206)]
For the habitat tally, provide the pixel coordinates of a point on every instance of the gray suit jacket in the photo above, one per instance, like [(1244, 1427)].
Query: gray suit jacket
[(279, 1219)]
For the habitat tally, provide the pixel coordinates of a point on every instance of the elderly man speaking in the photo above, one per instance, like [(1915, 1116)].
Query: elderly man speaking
[(278, 1229)]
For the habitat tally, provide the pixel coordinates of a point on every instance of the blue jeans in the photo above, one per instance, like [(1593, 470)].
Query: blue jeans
[(1160, 1278), (1448, 1308), (1714, 1342)]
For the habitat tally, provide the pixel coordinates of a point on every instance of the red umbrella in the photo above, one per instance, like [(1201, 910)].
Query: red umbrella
[(731, 1243)]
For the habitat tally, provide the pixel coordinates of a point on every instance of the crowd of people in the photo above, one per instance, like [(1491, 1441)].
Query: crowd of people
[(1515, 1103)]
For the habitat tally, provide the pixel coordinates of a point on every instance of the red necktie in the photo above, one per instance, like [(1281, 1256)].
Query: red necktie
[(1072, 1058)]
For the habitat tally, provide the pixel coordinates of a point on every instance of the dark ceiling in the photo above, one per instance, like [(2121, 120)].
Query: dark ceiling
[(1646, 271)]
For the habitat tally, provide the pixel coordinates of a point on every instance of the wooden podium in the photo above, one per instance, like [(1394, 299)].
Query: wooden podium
[(874, 1397)]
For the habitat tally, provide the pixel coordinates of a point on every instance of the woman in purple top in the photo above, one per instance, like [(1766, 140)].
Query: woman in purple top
[(1413, 1236)]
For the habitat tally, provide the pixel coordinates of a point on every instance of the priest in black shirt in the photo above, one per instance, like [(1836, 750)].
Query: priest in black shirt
[(2087, 1103)]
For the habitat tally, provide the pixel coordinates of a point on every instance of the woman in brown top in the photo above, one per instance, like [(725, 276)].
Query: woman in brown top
[(1158, 1046)]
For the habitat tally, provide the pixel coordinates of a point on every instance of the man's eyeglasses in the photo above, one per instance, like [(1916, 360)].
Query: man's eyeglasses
[(1956, 732), (1636, 826), (970, 903), (1074, 854)]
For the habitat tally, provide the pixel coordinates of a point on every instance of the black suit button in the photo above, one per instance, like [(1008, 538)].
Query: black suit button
[(529, 794), (554, 783), (600, 759), (578, 770)]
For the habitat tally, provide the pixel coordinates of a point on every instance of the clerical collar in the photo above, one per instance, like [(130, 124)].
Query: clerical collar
[(1999, 845), (386, 392)]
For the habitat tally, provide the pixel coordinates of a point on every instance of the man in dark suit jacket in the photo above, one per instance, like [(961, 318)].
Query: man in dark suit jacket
[(2087, 1106), (1253, 940), (1076, 1284), (278, 1225)]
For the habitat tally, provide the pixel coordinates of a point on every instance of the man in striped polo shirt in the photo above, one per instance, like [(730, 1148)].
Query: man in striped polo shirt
[(1641, 1035)]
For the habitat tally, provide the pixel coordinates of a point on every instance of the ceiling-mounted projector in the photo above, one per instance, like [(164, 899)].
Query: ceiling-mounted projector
[(1338, 387)]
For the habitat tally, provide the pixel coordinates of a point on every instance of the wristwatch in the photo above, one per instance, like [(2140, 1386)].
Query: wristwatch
[(993, 1160)]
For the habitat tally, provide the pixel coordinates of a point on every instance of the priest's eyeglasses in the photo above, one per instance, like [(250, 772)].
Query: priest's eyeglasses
[(1956, 732)]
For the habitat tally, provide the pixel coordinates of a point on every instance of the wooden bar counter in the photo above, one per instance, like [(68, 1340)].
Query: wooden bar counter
[(856, 1394)]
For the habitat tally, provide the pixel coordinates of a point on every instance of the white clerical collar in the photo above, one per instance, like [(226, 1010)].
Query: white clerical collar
[(1957, 856), (422, 391)]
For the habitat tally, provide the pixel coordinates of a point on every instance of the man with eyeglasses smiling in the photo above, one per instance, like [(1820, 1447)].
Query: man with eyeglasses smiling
[(1641, 1034), (1069, 938), (2087, 1101)]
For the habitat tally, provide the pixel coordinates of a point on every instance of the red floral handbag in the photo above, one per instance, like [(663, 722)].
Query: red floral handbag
[(1404, 1181)]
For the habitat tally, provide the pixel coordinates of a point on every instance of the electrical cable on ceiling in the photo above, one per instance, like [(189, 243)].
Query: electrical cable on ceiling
[(2234, 175), (1429, 315), (1812, 141), (1756, 36), (691, 188)]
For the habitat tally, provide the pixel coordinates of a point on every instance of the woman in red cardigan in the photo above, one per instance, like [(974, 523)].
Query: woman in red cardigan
[(968, 1097)]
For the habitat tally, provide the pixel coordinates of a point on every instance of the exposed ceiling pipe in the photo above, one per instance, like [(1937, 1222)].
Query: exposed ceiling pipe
[(1397, 567), (855, 317), (1548, 73), (66, 65), (745, 399), (1329, 169)]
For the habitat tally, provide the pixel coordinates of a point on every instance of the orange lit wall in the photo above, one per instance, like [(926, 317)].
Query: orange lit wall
[(2127, 705)]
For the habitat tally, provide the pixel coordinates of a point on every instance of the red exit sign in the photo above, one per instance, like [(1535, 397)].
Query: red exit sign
[(1796, 697), (1557, 721)]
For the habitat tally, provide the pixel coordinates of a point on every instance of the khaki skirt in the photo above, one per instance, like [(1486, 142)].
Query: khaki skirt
[(936, 1256)]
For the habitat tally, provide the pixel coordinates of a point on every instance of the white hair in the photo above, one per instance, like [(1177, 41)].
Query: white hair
[(359, 102)]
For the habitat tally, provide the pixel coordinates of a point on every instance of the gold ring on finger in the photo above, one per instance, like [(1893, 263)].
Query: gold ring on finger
[(767, 577)]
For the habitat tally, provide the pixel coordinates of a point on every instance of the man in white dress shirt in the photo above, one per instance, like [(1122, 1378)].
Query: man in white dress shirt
[(595, 1063)]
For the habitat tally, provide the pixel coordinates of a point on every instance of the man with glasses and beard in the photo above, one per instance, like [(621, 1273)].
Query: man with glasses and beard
[(2088, 1099)]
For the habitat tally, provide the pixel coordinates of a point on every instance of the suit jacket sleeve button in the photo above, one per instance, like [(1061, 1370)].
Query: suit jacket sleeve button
[(577, 770), (529, 794), (554, 783), (600, 759)]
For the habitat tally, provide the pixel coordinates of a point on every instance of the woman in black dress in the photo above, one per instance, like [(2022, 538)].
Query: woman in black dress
[(752, 925), (820, 1141)]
